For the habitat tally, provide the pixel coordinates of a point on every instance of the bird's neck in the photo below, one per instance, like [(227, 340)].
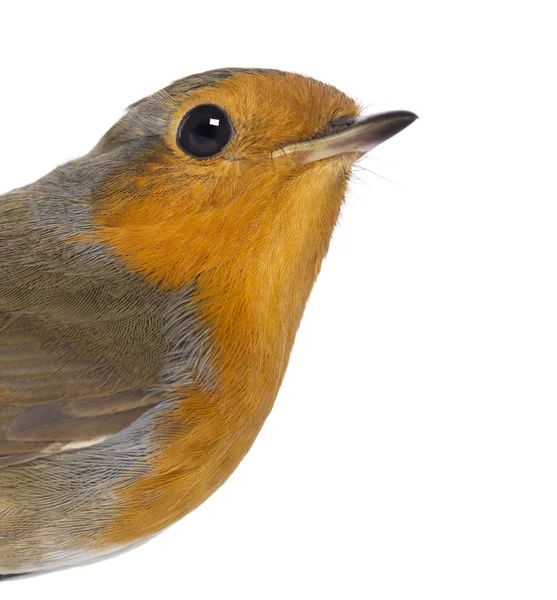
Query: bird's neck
[(256, 307)]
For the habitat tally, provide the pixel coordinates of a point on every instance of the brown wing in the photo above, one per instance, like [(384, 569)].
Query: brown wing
[(82, 341), (55, 396)]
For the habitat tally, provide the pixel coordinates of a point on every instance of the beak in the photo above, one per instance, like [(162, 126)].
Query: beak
[(357, 134)]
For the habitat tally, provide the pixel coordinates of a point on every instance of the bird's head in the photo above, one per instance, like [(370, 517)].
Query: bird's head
[(231, 174)]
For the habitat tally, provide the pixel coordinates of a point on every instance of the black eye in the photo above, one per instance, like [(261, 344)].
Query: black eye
[(204, 131)]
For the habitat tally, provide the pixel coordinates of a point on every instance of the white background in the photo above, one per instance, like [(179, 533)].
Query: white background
[(412, 451)]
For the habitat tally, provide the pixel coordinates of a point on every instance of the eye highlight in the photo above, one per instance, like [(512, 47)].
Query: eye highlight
[(204, 131)]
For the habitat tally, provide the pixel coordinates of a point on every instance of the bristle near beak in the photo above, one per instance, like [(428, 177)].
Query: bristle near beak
[(360, 136)]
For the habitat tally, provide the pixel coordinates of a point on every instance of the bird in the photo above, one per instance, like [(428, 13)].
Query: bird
[(150, 295)]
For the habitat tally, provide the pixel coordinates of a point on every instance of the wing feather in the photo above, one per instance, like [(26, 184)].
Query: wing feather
[(82, 341)]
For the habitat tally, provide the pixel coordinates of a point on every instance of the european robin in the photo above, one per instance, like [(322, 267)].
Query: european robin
[(150, 293)]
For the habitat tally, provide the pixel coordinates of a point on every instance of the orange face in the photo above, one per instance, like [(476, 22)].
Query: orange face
[(176, 217)]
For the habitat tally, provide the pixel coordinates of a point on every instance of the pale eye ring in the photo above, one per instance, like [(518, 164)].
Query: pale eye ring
[(204, 131)]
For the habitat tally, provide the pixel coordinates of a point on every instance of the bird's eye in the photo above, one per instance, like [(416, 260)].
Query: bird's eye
[(204, 131)]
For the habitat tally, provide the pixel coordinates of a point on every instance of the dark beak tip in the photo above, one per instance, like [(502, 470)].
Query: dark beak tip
[(404, 117), (393, 123)]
